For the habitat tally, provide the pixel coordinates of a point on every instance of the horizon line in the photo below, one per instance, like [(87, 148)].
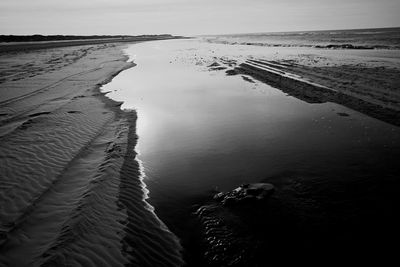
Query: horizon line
[(205, 34)]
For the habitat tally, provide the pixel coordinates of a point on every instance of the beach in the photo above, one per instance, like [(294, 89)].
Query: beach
[(112, 154), (71, 189)]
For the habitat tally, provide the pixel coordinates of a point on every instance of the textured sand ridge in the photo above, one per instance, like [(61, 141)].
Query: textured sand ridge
[(70, 185), (369, 86)]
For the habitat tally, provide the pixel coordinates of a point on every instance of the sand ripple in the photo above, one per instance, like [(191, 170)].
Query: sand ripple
[(71, 190)]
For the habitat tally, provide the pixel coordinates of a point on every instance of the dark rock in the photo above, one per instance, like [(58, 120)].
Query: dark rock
[(231, 72), (218, 68), (246, 193), (247, 79), (228, 237), (219, 196), (215, 64)]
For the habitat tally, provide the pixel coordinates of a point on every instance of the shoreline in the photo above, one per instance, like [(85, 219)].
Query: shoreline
[(83, 176), (386, 110), (70, 160), (133, 187)]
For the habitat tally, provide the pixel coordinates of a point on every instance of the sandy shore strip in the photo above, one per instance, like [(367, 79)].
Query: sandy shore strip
[(70, 187), (366, 81), (7, 47)]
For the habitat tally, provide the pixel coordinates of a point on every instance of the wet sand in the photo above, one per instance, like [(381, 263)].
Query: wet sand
[(71, 191), (363, 80), (368, 89)]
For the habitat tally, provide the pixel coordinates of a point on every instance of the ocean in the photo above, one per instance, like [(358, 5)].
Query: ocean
[(383, 38)]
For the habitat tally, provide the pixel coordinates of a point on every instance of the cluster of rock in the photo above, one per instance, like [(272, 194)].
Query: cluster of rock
[(245, 194), (227, 237), (216, 66)]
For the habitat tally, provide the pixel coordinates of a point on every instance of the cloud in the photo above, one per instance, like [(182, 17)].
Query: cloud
[(191, 16)]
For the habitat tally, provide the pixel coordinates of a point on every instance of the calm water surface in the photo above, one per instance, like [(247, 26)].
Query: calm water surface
[(200, 130)]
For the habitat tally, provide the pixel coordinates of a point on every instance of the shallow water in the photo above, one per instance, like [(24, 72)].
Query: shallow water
[(201, 130)]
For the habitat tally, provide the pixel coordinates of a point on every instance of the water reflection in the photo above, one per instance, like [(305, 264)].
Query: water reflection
[(199, 130)]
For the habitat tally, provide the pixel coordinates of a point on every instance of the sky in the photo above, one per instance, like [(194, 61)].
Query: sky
[(192, 17)]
